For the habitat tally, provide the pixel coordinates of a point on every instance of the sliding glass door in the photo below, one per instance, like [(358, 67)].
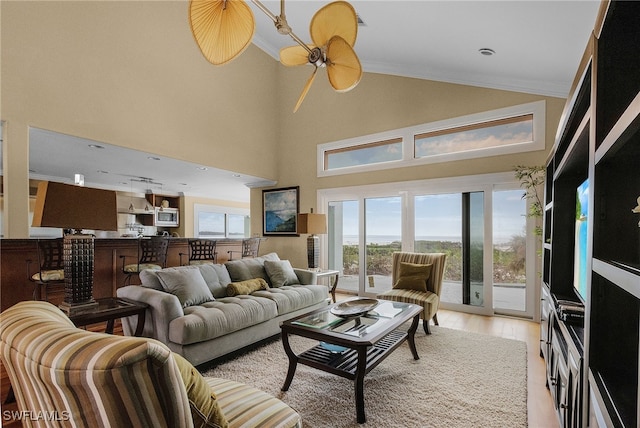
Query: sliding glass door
[(481, 229), (453, 224), (383, 236), (343, 237), (438, 229), (509, 252)]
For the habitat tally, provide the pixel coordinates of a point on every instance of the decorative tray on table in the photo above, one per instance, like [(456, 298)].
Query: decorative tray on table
[(354, 308)]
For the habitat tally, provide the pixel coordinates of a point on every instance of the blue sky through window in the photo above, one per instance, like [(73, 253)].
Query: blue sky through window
[(363, 155), (436, 217), (471, 138)]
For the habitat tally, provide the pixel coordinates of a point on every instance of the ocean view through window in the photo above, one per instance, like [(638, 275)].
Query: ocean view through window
[(364, 231)]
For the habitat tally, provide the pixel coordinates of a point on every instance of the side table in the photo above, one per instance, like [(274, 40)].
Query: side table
[(111, 308), (322, 273)]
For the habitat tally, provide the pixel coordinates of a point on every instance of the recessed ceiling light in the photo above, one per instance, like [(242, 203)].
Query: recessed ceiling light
[(96, 146), (486, 51)]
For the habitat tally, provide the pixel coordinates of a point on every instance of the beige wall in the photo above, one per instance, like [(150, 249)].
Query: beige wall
[(130, 74), (379, 103)]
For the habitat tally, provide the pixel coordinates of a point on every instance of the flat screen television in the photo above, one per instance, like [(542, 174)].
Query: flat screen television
[(580, 254)]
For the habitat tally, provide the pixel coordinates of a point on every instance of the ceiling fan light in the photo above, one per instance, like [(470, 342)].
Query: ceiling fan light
[(223, 29)]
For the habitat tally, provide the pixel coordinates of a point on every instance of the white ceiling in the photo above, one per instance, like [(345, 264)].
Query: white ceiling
[(112, 167), (537, 44)]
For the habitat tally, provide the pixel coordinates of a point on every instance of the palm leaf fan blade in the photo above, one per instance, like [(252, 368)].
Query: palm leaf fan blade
[(343, 66), (306, 88), (335, 19), (223, 29), (294, 55)]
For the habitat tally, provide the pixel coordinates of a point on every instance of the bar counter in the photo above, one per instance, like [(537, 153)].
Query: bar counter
[(15, 285)]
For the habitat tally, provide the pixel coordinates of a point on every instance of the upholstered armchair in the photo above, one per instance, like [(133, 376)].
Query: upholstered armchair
[(429, 299), (74, 377)]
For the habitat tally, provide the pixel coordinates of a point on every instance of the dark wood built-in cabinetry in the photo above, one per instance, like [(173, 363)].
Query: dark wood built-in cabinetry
[(592, 361)]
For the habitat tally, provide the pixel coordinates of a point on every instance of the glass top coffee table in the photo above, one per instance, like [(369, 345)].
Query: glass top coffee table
[(355, 336)]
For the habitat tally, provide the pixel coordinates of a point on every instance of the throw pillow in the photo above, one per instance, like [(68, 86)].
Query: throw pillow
[(280, 273), (149, 279), (205, 409), (187, 284), (249, 268), (246, 287), (238, 270), (413, 276), (210, 275)]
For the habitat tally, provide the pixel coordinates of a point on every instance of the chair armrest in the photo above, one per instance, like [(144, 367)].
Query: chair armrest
[(163, 308), (306, 277)]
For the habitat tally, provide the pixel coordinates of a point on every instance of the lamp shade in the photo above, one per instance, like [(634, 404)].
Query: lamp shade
[(313, 224), (75, 207)]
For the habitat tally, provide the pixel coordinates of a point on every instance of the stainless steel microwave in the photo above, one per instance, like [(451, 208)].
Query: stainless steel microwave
[(167, 217)]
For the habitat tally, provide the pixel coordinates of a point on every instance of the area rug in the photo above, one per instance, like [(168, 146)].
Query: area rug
[(461, 380)]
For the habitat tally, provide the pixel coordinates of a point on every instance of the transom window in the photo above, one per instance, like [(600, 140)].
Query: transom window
[(509, 130), (477, 136), (380, 151)]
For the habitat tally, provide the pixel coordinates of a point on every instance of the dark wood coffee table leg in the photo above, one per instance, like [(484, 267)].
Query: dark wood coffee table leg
[(141, 320), (293, 361), (333, 288), (411, 336), (109, 328), (359, 384)]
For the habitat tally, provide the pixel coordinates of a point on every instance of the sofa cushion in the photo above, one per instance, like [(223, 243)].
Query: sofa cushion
[(413, 276), (290, 298), (280, 273), (186, 283), (216, 277), (149, 279), (205, 409), (249, 268), (222, 316), (246, 287)]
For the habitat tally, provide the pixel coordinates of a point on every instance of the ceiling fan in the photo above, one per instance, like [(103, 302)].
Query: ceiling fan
[(223, 29)]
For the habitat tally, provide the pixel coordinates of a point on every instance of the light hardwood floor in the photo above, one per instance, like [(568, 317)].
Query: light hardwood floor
[(541, 413)]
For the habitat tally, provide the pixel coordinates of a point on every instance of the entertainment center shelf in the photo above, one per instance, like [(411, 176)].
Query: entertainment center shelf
[(590, 308)]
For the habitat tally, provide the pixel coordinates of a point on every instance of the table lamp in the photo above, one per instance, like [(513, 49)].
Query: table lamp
[(76, 208), (313, 224)]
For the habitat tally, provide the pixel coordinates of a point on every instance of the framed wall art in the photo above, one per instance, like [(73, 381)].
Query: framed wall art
[(280, 208)]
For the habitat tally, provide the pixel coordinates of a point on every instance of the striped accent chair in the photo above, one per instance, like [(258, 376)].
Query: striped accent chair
[(430, 299), (79, 378)]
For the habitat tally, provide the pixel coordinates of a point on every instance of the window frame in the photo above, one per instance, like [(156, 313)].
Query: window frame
[(217, 209), (537, 109), (408, 190)]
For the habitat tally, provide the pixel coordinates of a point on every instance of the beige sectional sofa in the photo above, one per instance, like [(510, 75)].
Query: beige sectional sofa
[(206, 311)]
